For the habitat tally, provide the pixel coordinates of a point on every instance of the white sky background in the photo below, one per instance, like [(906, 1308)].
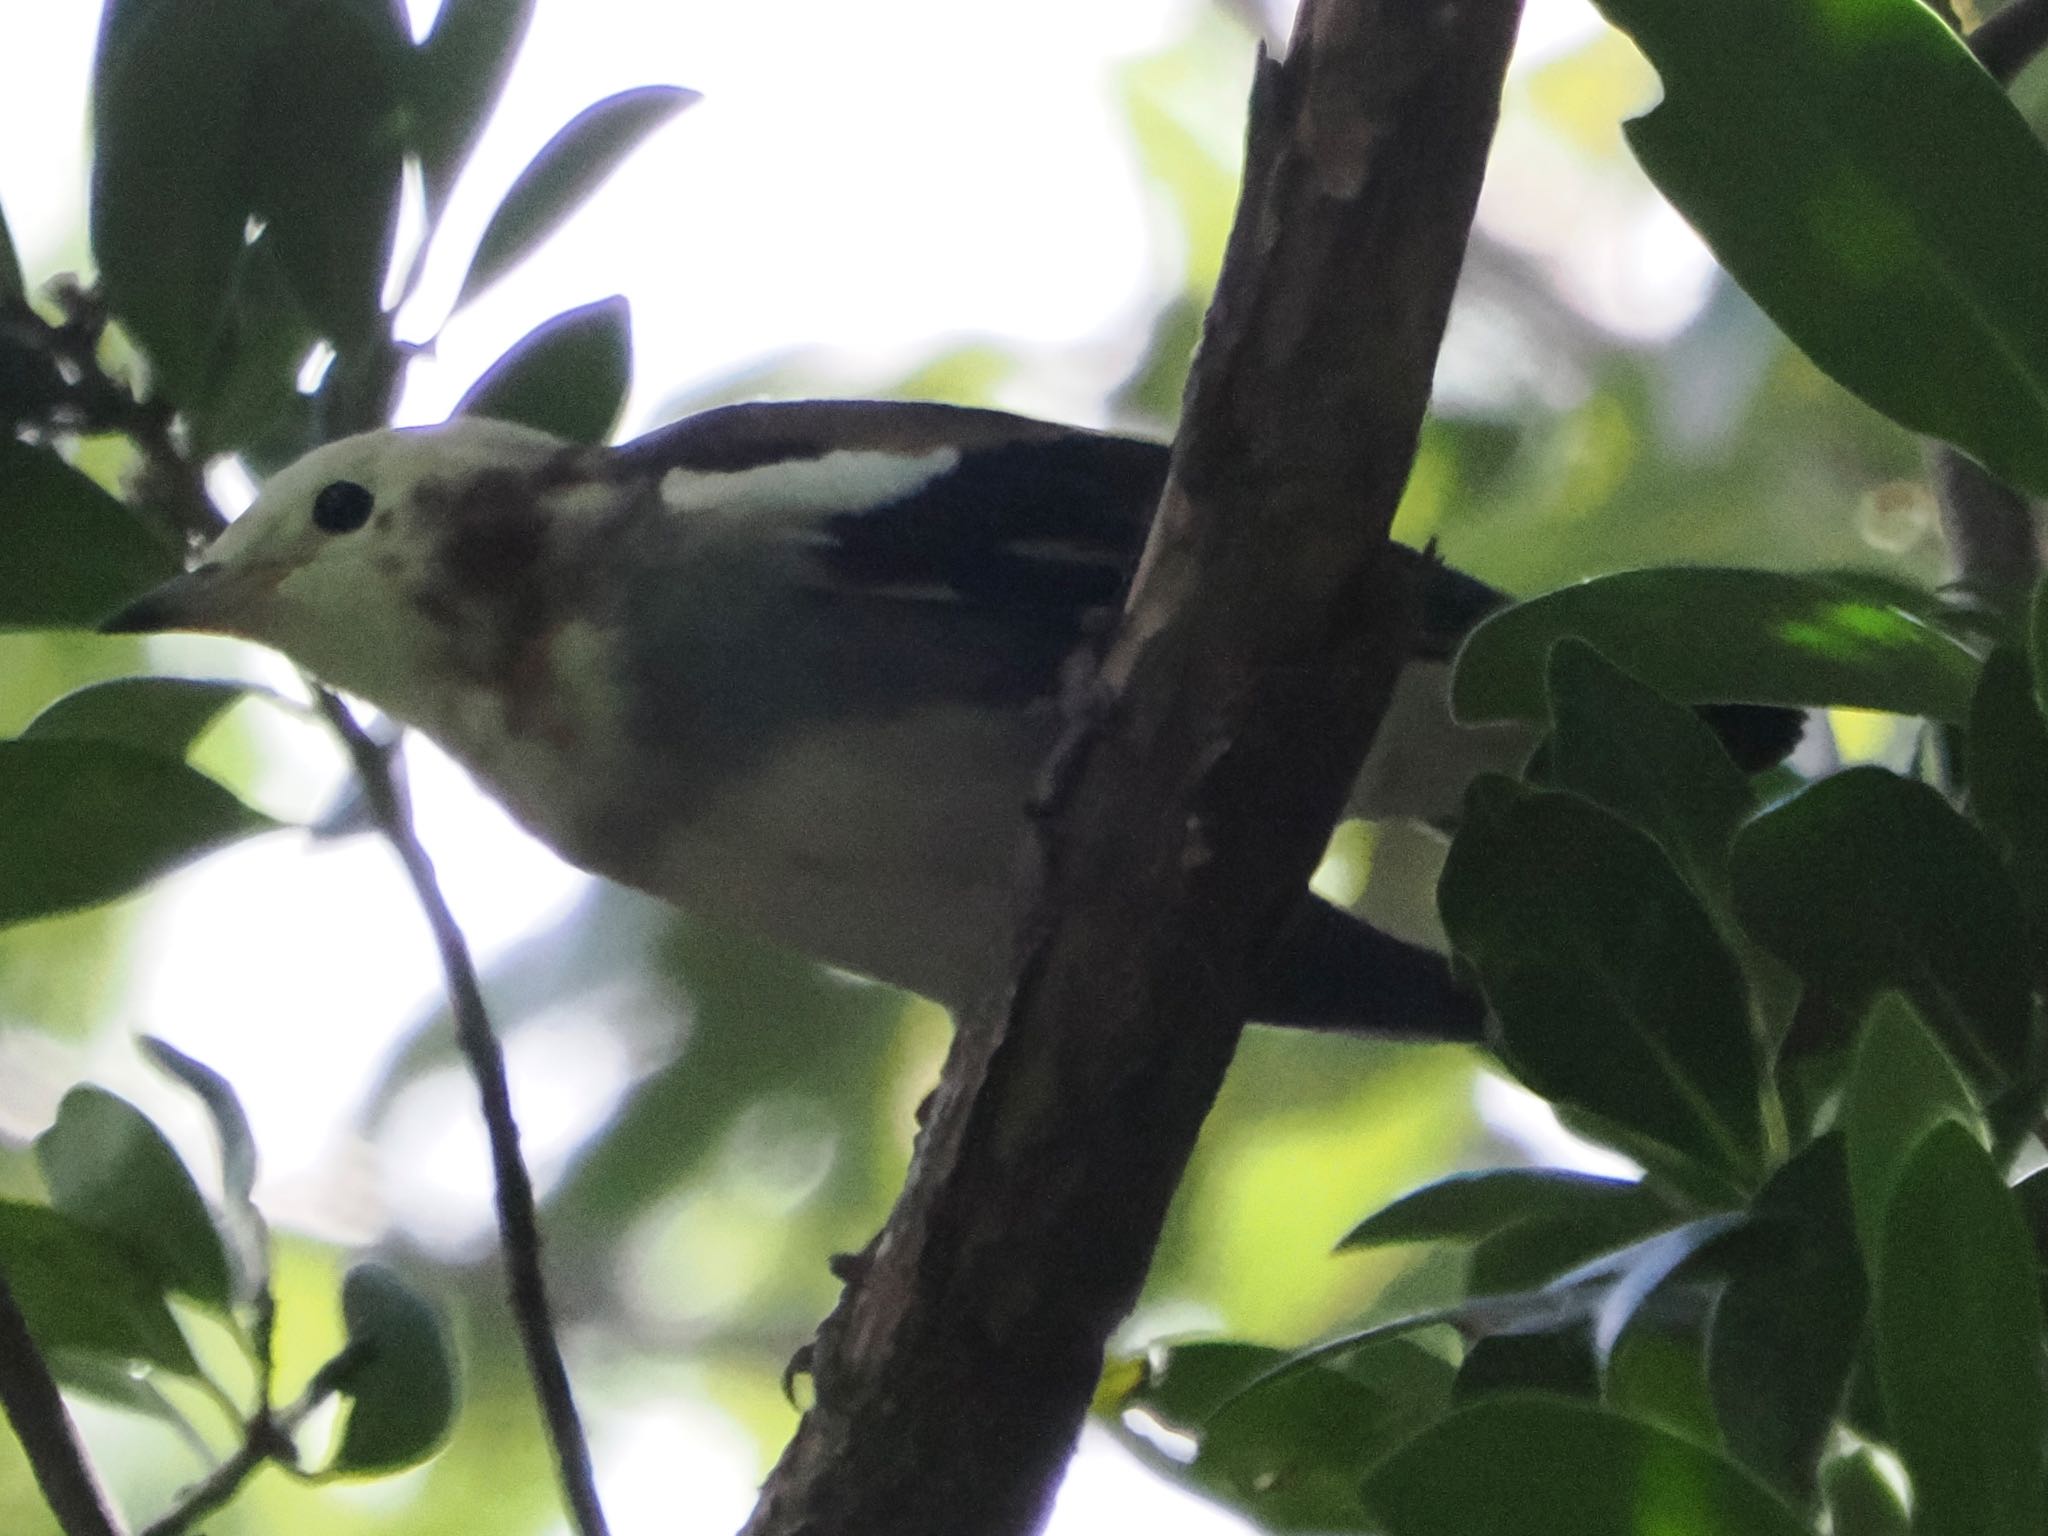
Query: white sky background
[(880, 178)]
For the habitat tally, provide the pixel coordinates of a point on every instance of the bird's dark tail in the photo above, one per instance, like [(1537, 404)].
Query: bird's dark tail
[(1329, 971)]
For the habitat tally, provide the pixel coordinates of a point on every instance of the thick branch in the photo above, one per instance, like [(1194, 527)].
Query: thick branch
[(28, 1393), (1255, 657)]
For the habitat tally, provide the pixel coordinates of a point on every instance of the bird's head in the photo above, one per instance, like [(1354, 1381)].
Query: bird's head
[(342, 561)]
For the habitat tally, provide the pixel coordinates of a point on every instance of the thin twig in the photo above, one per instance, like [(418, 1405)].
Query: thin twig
[(266, 1436), (29, 1394), (2009, 41), (518, 1226), (264, 1439)]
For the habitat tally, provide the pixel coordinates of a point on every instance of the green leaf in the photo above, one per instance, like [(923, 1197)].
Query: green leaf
[(76, 554), (1651, 761), (1901, 1086), (1867, 880), (1896, 248), (1659, 1375), (1470, 1206), (400, 1378), (163, 715), (455, 79), (109, 1167), (83, 822), (1290, 1451), (1785, 1328), (2007, 764), (1959, 1343), (324, 155), (241, 1223), (12, 284), (567, 376), (1612, 989), (169, 187), (252, 377), (1861, 1497), (223, 1107), (1537, 1249), (2037, 642), (1543, 1466), (570, 166), (1708, 635), (81, 1290), (1557, 1360), (1643, 1269), (1184, 1384)]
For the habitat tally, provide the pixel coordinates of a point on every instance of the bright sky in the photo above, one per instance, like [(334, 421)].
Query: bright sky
[(876, 178)]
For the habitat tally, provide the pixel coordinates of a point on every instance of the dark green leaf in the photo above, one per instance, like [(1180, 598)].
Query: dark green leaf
[(1896, 248), (2032, 1194), (568, 376), (1651, 761), (164, 715), (1537, 1249), (1558, 1360), (83, 822), (1470, 1206), (76, 554), (241, 1222), (1612, 989), (1959, 1343), (1290, 1451), (1659, 1375), (1786, 1324), (1706, 635), (1861, 1497), (402, 1383), (455, 79), (324, 155), (169, 186), (109, 1167), (1902, 1086), (2007, 763), (1542, 1466), (1868, 880), (570, 166), (12, 284), (223, 1107), (252, 377), (2037, 642), (82, 1291), (1643, 1269), (1185, 1383)]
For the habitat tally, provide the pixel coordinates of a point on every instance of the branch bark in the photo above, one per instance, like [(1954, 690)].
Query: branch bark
[(1234, 706), (29, 1396)]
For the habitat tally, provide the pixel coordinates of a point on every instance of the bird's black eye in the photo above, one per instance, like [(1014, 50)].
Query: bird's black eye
[(342, 507)]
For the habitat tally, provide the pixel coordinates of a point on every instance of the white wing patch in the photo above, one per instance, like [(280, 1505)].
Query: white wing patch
[(845, 480)]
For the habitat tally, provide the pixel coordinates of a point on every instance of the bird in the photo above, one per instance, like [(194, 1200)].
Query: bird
[(793, 666)]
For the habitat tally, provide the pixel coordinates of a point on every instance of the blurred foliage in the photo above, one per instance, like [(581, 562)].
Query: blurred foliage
[(1815, 1020)]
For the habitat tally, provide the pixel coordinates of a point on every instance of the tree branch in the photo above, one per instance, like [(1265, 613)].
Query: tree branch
[(29, 1394), (518, 1224), (1257, 651)]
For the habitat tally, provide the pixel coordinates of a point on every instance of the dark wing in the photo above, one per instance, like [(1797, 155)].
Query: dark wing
[(1030, 514)]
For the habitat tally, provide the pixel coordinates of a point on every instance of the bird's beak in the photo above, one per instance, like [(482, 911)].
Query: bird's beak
[(210, 598)]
